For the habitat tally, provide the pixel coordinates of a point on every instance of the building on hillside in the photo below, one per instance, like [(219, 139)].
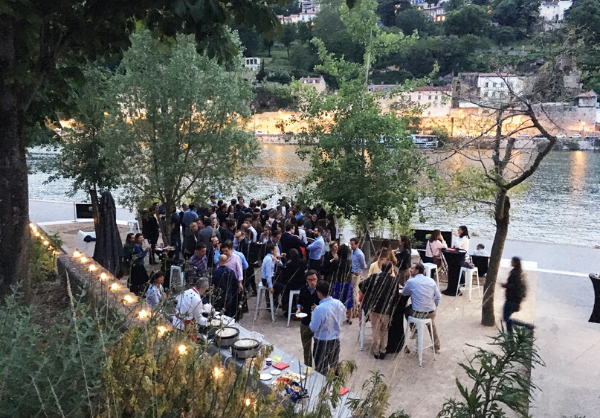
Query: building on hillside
[(308, 6), (317, 82), (302, 17), (435, 10), (554, 11), (486, 89), (435, 101), (252, 63)]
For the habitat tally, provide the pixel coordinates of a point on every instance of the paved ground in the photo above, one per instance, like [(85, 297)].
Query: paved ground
[(559, 303), (419, 391)]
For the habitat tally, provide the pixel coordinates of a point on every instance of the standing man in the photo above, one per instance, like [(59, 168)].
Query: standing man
[(425, 297), (316, 250), (307, 301), (208, 232), (289, 240), (175, 233), (268, 267), (190, 308), (197, 266), (358, 265), (326, 323), (188, 217), (225, 281), (234, 262)]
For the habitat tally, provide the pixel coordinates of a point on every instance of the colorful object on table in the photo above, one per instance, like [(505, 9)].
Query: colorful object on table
[(275, 372), (269, 362), (343, 391), (281, 365), (276, 359), (296, 391)]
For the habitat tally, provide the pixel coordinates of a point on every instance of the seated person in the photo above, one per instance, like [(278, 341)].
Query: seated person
[(425, 297), (156, 292), (480, 251)]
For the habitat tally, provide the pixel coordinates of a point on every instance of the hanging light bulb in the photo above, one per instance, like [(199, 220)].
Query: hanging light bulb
[(182, 349)]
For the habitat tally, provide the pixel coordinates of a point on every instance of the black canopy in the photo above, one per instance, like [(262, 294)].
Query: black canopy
[(109, 248)]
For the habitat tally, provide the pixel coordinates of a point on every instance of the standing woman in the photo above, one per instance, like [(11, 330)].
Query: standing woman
[(516, 290), (341, 280), (462, 242), (128, 253), (151, 230), (330, 261), (139, 275), (403, 260)]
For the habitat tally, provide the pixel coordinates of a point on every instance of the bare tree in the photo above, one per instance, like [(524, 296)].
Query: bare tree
[(504, 137)]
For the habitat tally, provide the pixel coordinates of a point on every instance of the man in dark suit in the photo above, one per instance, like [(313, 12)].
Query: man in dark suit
[(289, 240), (226, 284), (307, 300)]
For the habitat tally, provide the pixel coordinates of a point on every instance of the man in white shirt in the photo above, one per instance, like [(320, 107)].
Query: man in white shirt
[(190, 308), (425, 297)]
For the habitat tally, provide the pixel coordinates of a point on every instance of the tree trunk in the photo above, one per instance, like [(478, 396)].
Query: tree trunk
[(488, 317), (15, 236)]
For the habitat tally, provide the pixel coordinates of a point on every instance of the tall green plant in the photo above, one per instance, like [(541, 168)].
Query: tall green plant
[(500, 379)]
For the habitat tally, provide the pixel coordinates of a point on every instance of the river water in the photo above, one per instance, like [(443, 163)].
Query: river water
[(561, 202)]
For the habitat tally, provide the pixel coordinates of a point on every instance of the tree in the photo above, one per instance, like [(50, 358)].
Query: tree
[(290, 34), (363, 162), (36, 35), (87, 156), (413, 19), (184, 115), (267, 43), (500, 170), (501, 379), (329, 27), (470, 19)]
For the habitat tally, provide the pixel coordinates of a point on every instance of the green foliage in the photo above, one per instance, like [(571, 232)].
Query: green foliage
[(86, 156), (53, 372), (303, 57), (363, 162), (272, 97), (585, 17), (522, 15), (376, 400), (500, 379), (471, 19), (289, 35), (329, 28), (413, 19), (185, 114), (42, 260)]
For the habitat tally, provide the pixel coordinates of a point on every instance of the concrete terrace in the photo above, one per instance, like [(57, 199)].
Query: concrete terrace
[(559, 304)]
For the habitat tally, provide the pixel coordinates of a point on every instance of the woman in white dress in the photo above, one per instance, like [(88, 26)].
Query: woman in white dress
[(462, 242)]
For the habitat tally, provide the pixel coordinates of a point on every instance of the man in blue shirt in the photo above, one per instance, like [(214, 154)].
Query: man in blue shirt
[(326, 325), (425, 297), (316, 250), (358, 266), (188, 217)]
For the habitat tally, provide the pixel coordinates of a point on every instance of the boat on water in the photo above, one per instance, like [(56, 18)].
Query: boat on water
[(422, 141)]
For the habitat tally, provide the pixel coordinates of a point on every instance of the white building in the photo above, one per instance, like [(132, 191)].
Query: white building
[(497, 87), (317, 82), (435, 101), (252, 63), (554, 11), (302, 17)]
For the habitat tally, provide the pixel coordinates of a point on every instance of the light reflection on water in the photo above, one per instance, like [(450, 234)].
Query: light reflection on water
[(560, 204)]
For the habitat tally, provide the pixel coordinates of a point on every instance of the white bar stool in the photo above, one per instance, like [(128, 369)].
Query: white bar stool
[(468, 281), (180, 272), (420, 323), (259, 297), (135, 224), (290, 303), (429, 269)]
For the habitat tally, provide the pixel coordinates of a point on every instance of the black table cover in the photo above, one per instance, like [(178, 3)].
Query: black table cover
[(454, 260), (595, 317), (396, 329)]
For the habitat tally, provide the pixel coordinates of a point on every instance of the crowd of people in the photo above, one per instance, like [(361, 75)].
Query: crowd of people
[(227, 249)]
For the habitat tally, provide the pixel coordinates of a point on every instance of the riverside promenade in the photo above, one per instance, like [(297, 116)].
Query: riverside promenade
[(559, 303)]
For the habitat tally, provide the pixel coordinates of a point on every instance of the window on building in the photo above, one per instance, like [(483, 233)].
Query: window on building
[(487, 84), (429, 98), (419, 97), (495, 84)]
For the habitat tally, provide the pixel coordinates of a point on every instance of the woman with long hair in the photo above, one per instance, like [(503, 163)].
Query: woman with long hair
[(330, 261), (341, 281), (156, 292), (403, 257), (462, 242), (516, 290), (433, 253), (139, 275)]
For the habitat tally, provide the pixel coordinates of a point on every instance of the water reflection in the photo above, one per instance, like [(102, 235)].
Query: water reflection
[(560, 203)]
